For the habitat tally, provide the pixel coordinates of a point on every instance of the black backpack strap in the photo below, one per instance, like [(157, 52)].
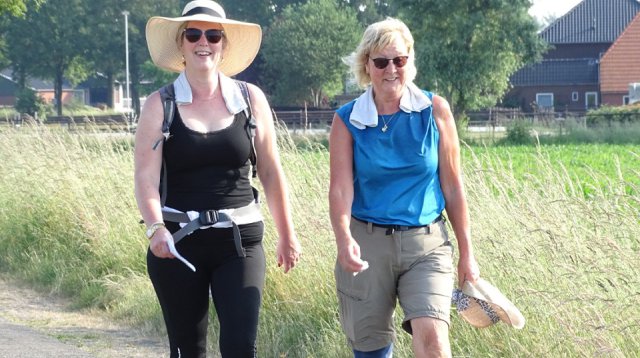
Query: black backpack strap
[(168, 98), (250, 126)]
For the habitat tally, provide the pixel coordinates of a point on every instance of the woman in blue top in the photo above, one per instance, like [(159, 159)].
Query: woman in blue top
[(395, 166)]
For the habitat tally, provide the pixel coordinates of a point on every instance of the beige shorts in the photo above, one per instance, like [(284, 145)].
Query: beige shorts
[(414, 267)]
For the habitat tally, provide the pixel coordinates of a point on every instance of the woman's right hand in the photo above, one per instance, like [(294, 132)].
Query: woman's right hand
[(349, 256), (159, 243)]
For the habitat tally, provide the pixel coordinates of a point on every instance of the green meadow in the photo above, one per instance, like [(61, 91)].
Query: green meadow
[(555, 227)]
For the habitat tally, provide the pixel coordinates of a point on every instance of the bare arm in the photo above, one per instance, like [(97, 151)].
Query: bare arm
[(341, 195), (273, 180), (453, 189), (147, 163)]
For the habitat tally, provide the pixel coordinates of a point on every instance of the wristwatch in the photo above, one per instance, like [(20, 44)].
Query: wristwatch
[(151, 230)]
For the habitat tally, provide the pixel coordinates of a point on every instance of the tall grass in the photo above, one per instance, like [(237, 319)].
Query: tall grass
[(569, 261)]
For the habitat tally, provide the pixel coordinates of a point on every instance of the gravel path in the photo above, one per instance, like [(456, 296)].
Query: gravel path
[(34, 324)]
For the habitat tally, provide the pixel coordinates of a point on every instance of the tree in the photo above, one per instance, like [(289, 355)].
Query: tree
[(14, 8), (261, 12), (48, 43), (18, 7), (468, 49), (154, 78), (51, 44), (370, 11), (303, 50), (108, 55), (140, 12)]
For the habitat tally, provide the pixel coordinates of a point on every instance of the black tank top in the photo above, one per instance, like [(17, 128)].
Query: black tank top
[(208, 170)]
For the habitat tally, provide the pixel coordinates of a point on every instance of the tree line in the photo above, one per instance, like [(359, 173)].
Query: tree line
[(466, 49)]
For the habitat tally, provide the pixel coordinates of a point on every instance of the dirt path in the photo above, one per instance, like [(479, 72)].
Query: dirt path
[(23, 311)]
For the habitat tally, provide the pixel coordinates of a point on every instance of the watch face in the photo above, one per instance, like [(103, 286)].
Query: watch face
[(152, 229)]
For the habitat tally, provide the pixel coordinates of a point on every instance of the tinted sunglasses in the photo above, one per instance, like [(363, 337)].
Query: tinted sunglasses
[(382, 63), (193, 35)]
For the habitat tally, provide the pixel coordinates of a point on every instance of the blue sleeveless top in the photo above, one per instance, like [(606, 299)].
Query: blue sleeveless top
[(396, 177)]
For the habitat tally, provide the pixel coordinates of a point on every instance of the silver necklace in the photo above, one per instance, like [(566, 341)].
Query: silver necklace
[(386, 122)]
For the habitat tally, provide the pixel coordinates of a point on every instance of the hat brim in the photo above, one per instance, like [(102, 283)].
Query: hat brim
[(243, 42), (504, 308)]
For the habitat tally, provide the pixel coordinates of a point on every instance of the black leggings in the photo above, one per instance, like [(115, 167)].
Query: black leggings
[(236, 285)]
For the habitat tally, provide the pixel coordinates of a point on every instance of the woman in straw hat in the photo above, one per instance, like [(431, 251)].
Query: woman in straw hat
[(395, 167), (209, 200)]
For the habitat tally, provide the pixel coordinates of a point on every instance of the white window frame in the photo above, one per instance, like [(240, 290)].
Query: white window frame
[(586, 99), (574, 96), (550, 94)]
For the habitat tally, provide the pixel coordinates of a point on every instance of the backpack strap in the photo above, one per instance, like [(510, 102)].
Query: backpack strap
[(250, 126), (168, 98)]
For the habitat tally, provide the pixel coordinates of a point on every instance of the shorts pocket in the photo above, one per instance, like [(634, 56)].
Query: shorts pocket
[(354, 287), (352, 292)]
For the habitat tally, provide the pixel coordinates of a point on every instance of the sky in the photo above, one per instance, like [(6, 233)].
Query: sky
[(557, 8)]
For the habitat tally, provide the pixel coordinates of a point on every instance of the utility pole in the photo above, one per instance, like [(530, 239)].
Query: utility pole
[(126, 49)]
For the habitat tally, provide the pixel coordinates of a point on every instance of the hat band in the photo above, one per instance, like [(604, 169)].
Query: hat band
[(202, 10)]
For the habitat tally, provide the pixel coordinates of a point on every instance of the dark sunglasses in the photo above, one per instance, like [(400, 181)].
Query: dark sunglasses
[(382, 62), (193, 35)]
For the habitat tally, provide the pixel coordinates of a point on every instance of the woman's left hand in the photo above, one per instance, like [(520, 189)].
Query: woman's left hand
[(289, 252)]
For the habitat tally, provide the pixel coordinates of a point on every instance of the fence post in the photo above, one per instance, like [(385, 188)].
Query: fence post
[(306, 119)]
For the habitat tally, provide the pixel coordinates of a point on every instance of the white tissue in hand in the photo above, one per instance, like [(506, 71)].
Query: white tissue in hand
[(365, 265), (174, 252)]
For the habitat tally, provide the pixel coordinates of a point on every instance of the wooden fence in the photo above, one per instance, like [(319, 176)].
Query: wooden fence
[(295, 120), (301, 119), (291, 119), (113, 122)]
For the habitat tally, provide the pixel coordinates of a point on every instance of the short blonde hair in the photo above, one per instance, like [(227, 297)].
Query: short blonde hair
[(376, 37)]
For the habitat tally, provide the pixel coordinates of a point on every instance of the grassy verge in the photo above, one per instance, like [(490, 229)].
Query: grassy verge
[(563, 246)]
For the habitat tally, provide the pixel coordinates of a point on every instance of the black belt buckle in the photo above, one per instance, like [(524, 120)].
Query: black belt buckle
[(393, 228), (208, 217)]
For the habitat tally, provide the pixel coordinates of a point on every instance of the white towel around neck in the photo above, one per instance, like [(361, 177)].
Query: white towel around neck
[(230, 93), (365, 113)]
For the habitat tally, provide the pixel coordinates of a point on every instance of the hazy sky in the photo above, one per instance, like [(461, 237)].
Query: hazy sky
[(542, 8)]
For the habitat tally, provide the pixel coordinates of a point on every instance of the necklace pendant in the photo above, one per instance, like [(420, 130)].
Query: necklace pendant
[(384, 128)]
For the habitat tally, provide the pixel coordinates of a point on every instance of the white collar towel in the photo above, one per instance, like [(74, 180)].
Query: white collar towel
[(230, 92), (365, 113)]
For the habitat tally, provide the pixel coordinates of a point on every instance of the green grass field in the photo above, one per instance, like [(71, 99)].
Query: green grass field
[(556, 228)]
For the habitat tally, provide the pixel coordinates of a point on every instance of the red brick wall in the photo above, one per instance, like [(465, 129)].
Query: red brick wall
[(621, 65), (562, 96)]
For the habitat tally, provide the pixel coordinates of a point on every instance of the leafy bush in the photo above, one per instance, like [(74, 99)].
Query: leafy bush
[(29, 102), (462, 126), (607, 115), (518, 132)]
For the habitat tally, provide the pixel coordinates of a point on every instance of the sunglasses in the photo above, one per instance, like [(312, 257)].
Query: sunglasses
[(193, 35), (382, 63)]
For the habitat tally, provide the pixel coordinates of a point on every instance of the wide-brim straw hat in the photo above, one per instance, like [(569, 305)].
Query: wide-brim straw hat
[(242, 38), (482, 305)]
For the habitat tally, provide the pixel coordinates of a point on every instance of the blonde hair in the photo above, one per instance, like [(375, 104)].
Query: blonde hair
[(376, 37)]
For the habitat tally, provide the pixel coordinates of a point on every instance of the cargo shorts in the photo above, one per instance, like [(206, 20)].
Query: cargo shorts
[(414, 267)]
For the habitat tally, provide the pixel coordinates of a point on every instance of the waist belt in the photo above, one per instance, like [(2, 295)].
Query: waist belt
[(392, 228), (191, 221)]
